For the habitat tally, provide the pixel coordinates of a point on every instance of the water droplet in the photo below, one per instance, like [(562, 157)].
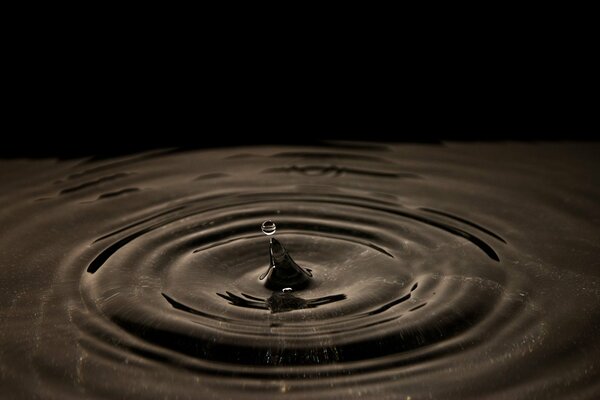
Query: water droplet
[(268, 227)]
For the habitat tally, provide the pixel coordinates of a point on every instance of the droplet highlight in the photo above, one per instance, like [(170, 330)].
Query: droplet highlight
[(268, 227)]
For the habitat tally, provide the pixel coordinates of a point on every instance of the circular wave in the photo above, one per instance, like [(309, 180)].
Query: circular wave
[(159, 281), (199, 260)]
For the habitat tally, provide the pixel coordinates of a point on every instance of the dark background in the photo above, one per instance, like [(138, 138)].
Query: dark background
[(106, 122), (74, 92)]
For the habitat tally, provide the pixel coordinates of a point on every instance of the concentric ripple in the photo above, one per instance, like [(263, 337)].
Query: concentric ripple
[(436, 274)]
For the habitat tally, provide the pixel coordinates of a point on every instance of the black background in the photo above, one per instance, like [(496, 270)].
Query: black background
[(108, 124), (71, 94)]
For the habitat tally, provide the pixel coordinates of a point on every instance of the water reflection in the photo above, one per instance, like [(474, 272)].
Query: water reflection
[(279, 301)]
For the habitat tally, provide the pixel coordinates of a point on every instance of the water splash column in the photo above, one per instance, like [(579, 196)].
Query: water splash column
[(283, 273)]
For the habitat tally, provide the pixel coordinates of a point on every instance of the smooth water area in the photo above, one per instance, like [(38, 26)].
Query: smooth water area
[(449, 271)]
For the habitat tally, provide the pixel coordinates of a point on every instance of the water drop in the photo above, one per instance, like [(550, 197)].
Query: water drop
[(268, 227), (283, 273)]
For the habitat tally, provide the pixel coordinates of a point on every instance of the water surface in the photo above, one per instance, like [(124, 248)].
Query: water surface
[(438, 271)]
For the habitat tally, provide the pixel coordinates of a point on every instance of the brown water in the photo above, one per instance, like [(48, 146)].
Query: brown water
[(455, 271)]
